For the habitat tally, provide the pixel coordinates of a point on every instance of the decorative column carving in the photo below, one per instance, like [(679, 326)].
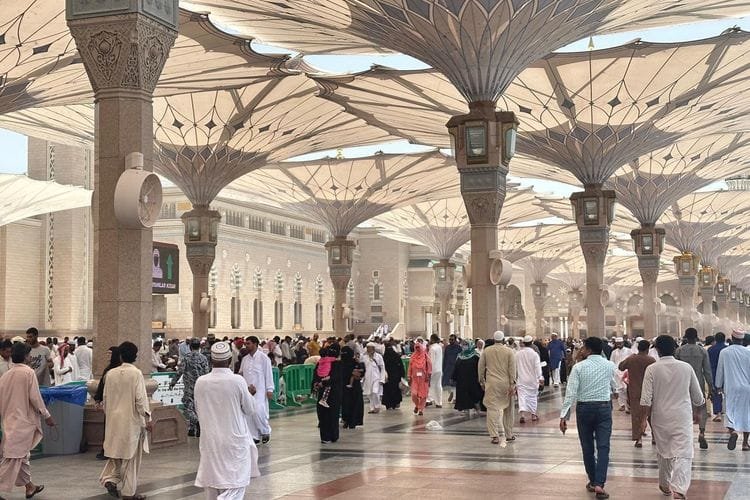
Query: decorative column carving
[(483, 142), (539, 294), (444, 278), (707, 282), (201, 235), (594, 210), (340, 257), (649, 244), (124, 46), (722, 296)]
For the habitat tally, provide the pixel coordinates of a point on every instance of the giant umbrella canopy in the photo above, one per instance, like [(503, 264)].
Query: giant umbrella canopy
[(480, 46), (341, 193), (585, 115), (443, 226)]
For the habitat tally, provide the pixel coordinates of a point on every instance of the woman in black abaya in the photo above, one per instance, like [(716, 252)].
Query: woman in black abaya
[(328, 416), (395, 369), (352, 401)]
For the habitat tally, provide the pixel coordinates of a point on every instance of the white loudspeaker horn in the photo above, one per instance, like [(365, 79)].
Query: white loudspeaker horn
[(501, 270), (345, 311), (138, 195), (503, 320), (695, 316), (661, 307), (607, 297), (467, 274)]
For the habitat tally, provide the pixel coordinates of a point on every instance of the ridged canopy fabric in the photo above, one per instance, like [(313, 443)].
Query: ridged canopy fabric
[(21, 197), (443, 225), (480, 45), (40, 65), (648, 185), (343, 193), (586, 113)]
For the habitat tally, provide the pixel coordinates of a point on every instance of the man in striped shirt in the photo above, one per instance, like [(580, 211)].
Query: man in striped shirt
[(590, 385)]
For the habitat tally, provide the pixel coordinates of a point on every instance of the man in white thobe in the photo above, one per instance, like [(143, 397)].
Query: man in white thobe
[(435, 395), (375, 377), (229, 457), (670, 391), (84, 358), (619, 354), (529, 378), (733, 379), (258, 374)]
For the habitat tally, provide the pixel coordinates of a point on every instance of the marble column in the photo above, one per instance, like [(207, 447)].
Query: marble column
[(707, 296), (732, 304), (594, 209), (539, 294), (444, 278), (722, 298), (575, 300), (340, 257), (201, 230), (649, 243), (484, 142), (123, 51)]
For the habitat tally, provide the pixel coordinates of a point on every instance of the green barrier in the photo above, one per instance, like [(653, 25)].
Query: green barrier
[(274, 403), (405, 362), (298, 379)]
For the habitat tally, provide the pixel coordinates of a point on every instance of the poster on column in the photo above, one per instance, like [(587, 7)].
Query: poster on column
[(165, 275)]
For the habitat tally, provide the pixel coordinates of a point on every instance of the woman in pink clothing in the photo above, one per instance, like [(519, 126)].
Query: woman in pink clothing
[(420, 368)]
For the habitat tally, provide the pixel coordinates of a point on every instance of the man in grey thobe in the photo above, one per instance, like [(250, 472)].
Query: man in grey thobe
[(697, 357), (670, 390)]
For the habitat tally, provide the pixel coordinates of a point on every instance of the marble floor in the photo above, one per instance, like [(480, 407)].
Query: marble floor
[(395, 455)]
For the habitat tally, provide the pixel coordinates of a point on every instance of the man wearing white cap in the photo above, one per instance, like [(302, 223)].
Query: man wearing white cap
[(733, 378), (375, 376), (497, 376), (620, 354), (229, 457), (529, 370), (436, 379), (257, 371)]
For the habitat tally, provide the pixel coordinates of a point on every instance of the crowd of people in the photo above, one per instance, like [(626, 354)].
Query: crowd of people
[(229, 383)]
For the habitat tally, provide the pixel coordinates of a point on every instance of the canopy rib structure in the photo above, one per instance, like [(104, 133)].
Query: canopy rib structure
[(40, 64), (443, 225), (480, 45), (647, 186), (23, 197), (343, 193)]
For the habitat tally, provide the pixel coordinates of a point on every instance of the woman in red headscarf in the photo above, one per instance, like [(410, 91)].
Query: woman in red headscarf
[(64, 369), (420, 369)]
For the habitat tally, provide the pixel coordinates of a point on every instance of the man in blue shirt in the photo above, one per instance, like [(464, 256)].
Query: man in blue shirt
[(556, 356), (590, 386), (713, 357)]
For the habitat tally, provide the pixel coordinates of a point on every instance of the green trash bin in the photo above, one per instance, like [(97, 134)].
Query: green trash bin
[(274, 403), (298, 380)]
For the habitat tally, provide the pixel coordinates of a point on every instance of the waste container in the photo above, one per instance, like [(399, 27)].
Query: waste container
[(65, 404)]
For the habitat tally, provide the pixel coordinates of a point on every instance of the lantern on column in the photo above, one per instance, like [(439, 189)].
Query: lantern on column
[(592, 209), (722, 285), (707, 277), (484, 136), (686, 264)]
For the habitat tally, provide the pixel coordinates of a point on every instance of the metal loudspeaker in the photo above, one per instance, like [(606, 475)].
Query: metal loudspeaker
[(607, 297), (660, 307), (345, 311), (467, 274), (501, 270), (205, 303), (503, 320), (695, 316)]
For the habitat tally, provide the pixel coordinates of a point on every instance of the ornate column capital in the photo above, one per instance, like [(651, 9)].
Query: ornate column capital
[(484, 194), (340, 258), (122, 51)]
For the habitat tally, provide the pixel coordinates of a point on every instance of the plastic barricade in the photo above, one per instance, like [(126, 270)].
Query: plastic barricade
[(274, 403), (406, 362), (298, 379), (65, 404)]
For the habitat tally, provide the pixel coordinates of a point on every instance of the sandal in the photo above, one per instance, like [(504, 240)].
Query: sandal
[(702, 442), (590, 488), (638, 444), (495, 440), (679, 496), (732, 444), (135, 497), (601, 494), (112, 489), (665, 490), (38, 489), (745, 447), (512, 438)]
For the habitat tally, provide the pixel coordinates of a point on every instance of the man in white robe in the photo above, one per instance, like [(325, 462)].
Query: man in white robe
[(258, 374), (619, 354), (529, 378), (128, 416), (670, 392), (84, 356), (733, 379), (223, 403), (375, 377), (435, 396)]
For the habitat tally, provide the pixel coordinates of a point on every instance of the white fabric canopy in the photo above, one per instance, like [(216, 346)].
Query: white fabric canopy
[(21, 197)]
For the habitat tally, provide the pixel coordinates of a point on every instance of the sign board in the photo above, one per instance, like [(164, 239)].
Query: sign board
[(165, 276)]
